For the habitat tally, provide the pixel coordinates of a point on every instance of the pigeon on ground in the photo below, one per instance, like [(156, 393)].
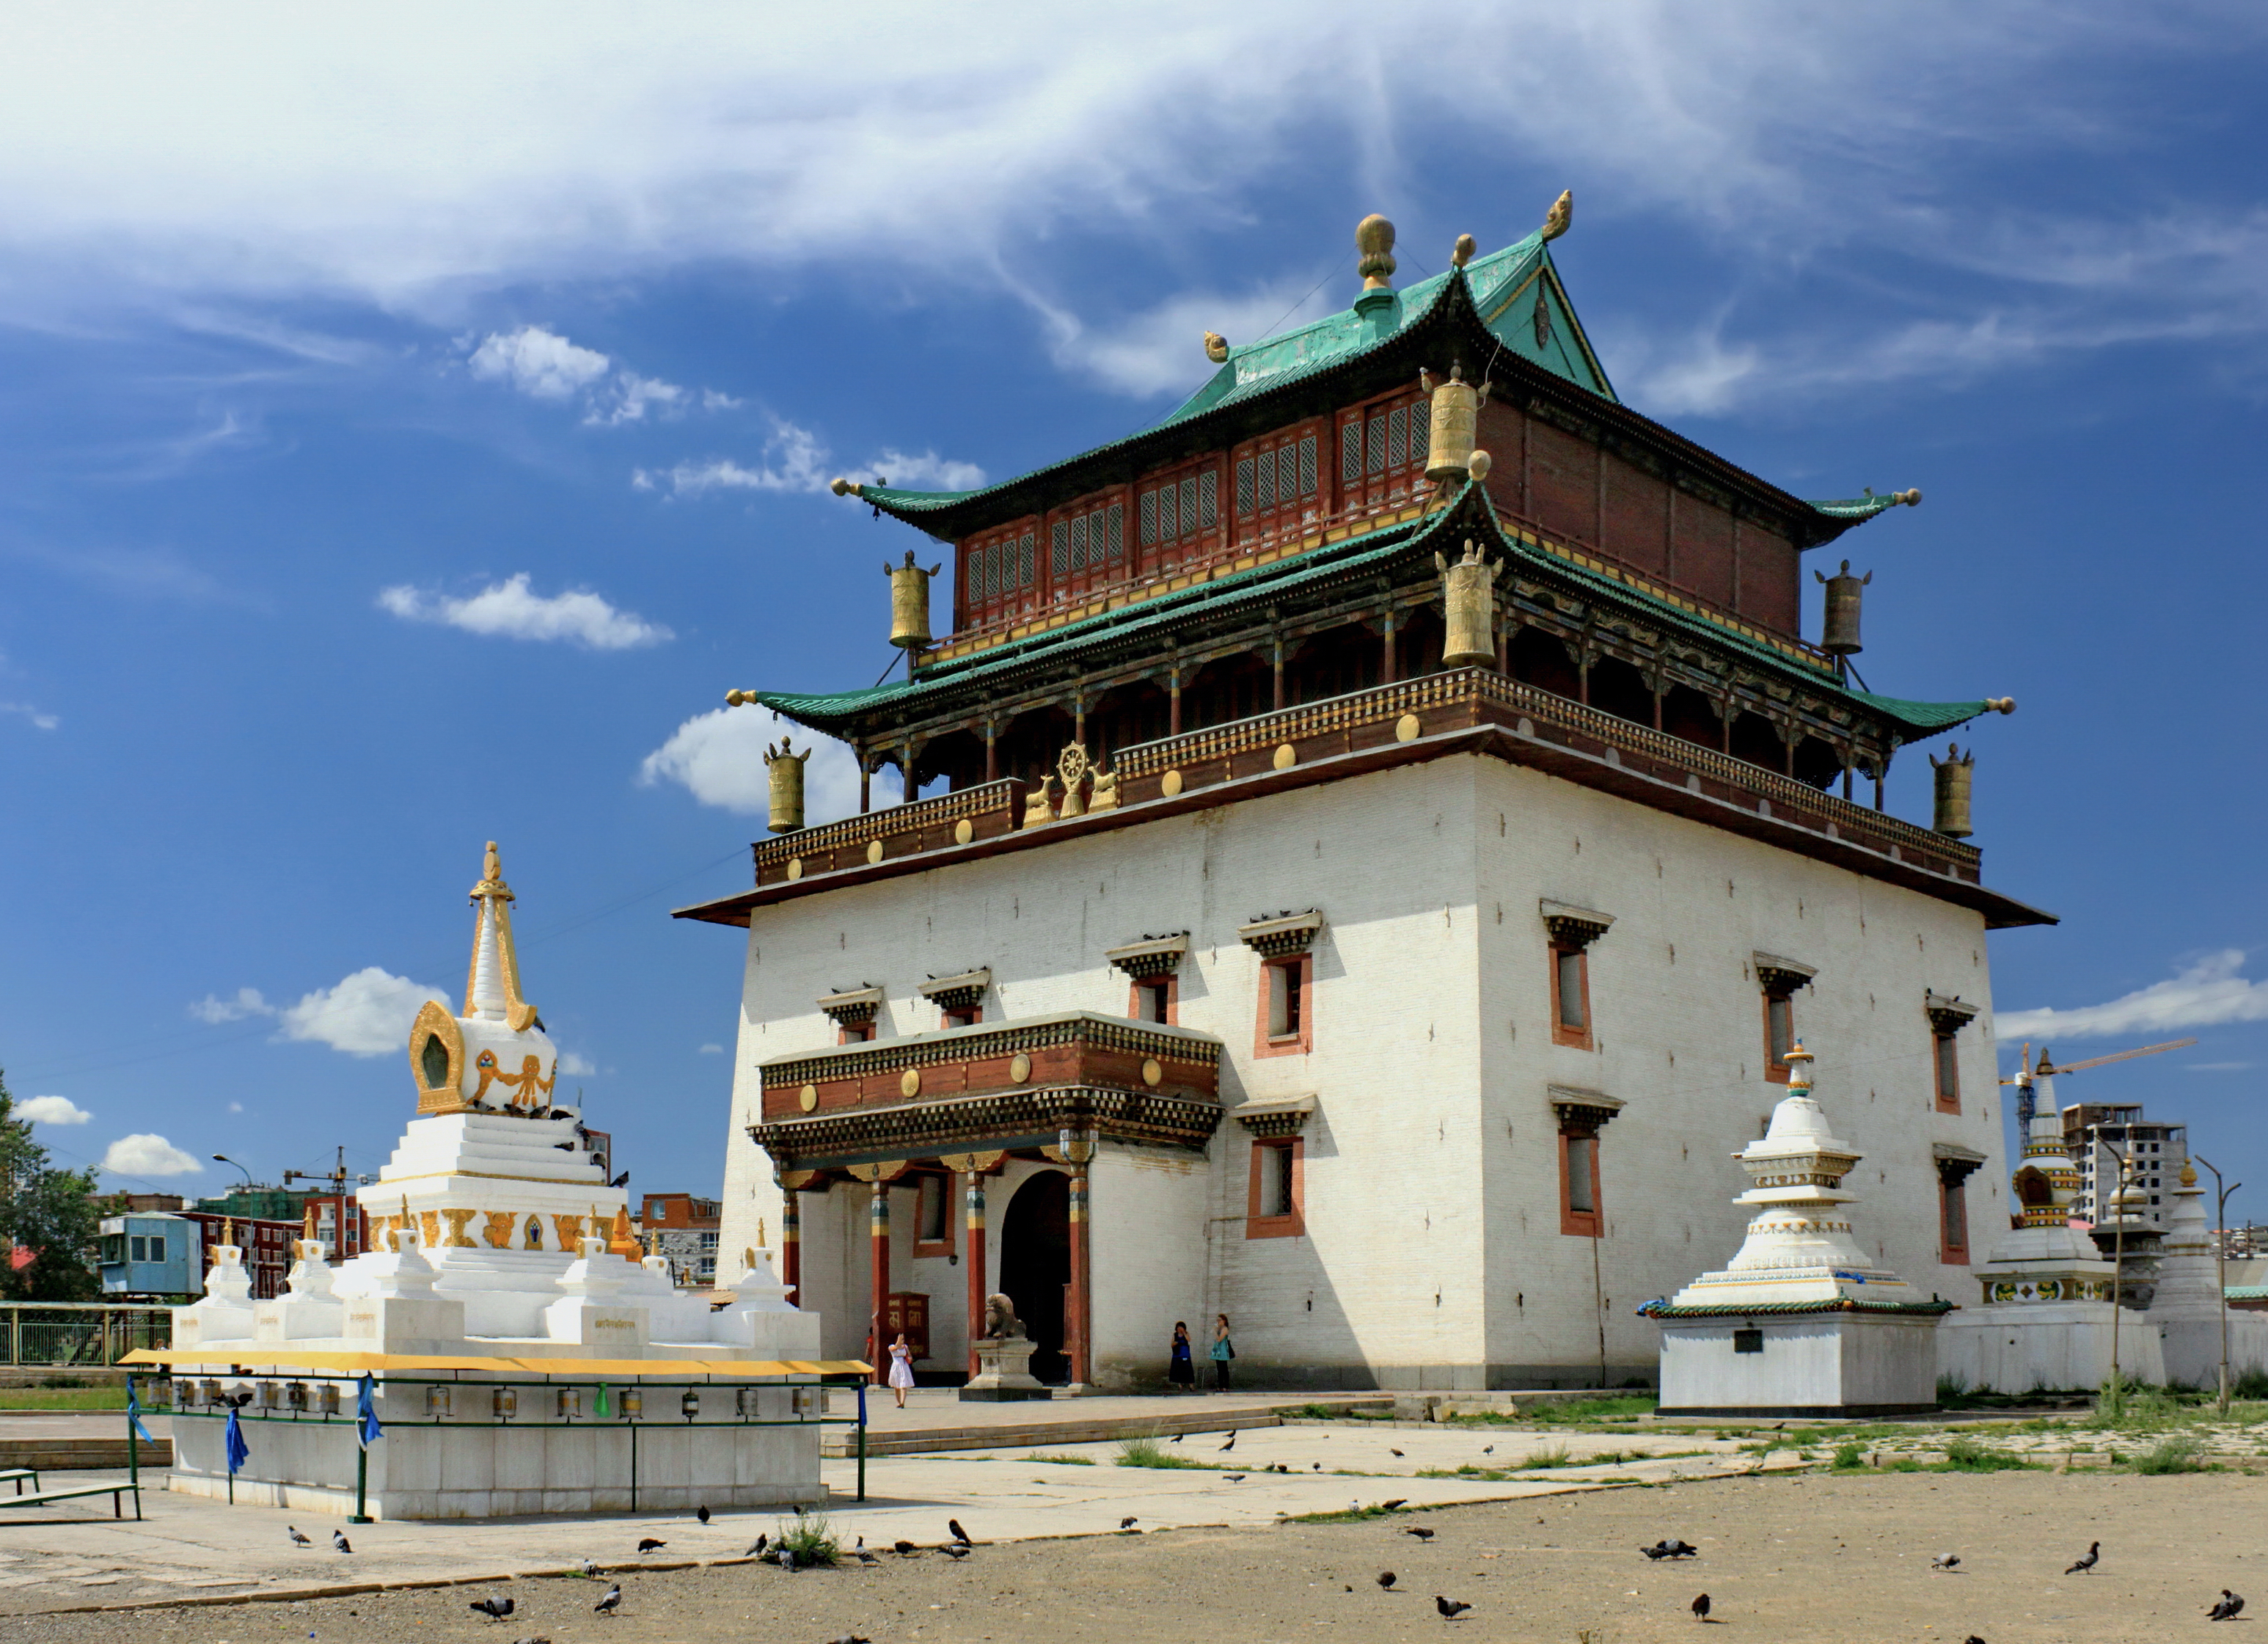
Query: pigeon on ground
[(2227, 1608), (850, 1638), (538, 1639), (647, 1544), (1658, 1552), (298, 1540), (1387, 1507), (1234, 1478), (1390, 1450), (494, 1609), (1681, 1549), (1385, 1578), (785, 1558), (590, 1567), (860, 1553), (1450, 1607), (2094, 1556), (1128, 1523), (757, 1551), (1232, 1440), (339, 1540), (1488, 1449), (701, 1513), (1945, 1561), (1701, 1607), (1972, 1639), (1318, 1467), (958, 1534), (612, 1602), (1178, 1437), (905, 1549), (954, 1550), (1420, 1532)]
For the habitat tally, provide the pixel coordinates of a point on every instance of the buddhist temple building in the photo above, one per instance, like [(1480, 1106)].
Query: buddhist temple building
[(1385, 831)]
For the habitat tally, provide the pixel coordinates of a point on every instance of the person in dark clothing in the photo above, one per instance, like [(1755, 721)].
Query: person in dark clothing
[(1180, 1372)]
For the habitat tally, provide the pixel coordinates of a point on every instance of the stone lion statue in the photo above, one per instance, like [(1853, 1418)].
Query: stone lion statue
[(1000, 1321)]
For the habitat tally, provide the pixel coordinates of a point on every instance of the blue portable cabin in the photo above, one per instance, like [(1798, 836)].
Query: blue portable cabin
[(150, 1254)]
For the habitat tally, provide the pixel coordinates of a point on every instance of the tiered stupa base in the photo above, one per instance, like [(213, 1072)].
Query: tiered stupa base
[(1856, 1363)]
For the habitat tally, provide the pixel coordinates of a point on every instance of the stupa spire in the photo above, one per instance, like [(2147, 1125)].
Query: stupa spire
[(492, 984)]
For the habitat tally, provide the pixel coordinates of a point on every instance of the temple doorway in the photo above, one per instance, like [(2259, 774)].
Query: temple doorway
[(1035, 1267)]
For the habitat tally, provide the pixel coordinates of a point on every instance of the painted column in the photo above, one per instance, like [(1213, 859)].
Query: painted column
[(791, 1245), (1174, 702), (878, 1225), (1278, 661), (1081, 1312), (974, 1256), (991, 751), (866, 779), (907, 759), (1387, 669)]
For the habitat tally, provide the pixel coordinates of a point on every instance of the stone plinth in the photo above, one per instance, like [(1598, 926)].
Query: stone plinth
[(1826, 1363), (1003, 1375)]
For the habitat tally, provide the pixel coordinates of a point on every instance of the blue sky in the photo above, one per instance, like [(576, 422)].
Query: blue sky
[(412, 424)]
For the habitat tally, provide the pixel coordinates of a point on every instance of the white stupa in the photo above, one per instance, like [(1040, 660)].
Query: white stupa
[(2188, 1308), (501, 1257), (1801, 1321)]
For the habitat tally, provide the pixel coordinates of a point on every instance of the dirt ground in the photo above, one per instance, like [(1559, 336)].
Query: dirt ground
[(1788, 1558)]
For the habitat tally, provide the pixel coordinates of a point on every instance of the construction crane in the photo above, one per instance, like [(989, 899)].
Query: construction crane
[(2044, 1068)]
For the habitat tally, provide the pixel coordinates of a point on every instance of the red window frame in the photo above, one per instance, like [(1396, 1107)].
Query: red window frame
[(1562, 1031), (1382, 445), (1088, 544), (1945, 1068), (1138, 1005), (1257, 499), (961, 1015), (940, 1182), (1299, 970), (1782, 999), (1274, 1154), (1000, 573), (855, 1032), (1179, 516), (1579, 1179), (1953, 1221)]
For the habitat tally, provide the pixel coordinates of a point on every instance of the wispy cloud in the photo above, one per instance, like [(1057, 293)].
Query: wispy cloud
[(2219, 1068), (794, 459), (539, 364), (719, 757), (2205, 994), (712, 1049), (40, 720), (512, 609), (1162, 350), (367, 1014), (51, 1110), (244, 1002)]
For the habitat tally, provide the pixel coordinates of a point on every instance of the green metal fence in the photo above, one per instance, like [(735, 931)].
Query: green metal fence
[(65, 1336)]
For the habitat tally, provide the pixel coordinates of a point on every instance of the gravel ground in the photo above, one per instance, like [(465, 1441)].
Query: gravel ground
[(1789, 1559)]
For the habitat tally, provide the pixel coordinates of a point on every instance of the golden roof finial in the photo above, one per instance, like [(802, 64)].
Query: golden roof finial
[(1561, 214), (493, 941), (1374, 237), (1216, 348), (1462, 253)]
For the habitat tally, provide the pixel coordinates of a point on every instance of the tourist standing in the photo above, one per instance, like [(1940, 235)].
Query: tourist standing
[(1180, 1372), (1223, 1351), (901, 1369)]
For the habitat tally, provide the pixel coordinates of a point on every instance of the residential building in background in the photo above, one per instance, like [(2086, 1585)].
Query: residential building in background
[(2096, 1133), (266, 1242), (683, 1229)]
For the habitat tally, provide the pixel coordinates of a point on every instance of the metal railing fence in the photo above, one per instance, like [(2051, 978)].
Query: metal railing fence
[(63, 1335)]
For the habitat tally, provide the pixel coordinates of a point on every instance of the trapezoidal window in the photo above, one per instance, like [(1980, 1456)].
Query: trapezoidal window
[(1286, 1026), (1273, 1209), (1580, 1214), (1945, 1063), (1571, 995), (932, 1214), (1779, 980), (1153, 999)]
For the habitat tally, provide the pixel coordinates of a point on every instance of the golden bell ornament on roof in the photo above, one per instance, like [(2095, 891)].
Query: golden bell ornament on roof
[(1957, 774), (1839, 636), (909, 603), (1455, 418), (1469, 595), (784, 766)]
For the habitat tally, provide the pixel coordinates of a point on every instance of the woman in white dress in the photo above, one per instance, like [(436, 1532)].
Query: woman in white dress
[(901, 1369)]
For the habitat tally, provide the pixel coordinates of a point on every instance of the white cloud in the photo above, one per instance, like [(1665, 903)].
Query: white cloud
[(2219, 1068), (236, 1107), (1163, 349), (247, 1002), (575, 1066), (796, 459), (512, 610), (712, 1049), (2206, 995), (41, 721), (51, 1110), (368, 1013), (147, 1155), (719, 757), (541, 363), (633, 396)]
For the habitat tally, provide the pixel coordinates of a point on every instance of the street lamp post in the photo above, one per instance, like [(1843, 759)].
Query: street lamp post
[(222, 1158), (2117, 1272), (2221, 1268)]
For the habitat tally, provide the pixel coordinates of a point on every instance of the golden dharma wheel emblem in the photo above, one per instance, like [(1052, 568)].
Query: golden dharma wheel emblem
[(1153, 1071), (964, 831), (874, 850), (795, 867), (1170, 784), (807, 1098), (1020, 1068), (909, 1082), (1286, 756), (1405, 728)]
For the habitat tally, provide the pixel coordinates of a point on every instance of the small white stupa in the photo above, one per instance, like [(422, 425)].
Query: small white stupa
[(520, 1340), (1801, 1322), (2188, 1309), (2046, 1323)]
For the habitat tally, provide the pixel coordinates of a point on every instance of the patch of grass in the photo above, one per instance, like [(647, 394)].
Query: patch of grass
[(2176, 1453), (79, 1397), (1850, 1458), (1552, 1455), (1967, 1455), (1344, 1516), (2253, 1385), (1147, 1452), (1059, 1460), (810, 1538)]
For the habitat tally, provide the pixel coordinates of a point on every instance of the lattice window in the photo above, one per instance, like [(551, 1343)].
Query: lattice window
[(998, 573), (1279, 482), (1382, 451), (1089, 542), (1176, 512)]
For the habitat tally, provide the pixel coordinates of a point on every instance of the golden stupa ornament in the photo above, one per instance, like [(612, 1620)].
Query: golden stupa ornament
[(1469, 593), (496, 914), (1374, 237), (1561, 214)]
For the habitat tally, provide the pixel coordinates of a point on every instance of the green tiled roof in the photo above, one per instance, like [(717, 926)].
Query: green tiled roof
[(828, 713)]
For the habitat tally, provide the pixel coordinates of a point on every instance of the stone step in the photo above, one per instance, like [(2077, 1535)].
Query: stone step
[(1073, 1428)]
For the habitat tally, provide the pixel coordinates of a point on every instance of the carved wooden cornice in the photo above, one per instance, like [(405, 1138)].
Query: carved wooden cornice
[(991, 1040), (1286, 933), (1948, 1015), (1580, 1111), (1578, 927), (1151, 957), (998, 1120), (1779, 976)]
